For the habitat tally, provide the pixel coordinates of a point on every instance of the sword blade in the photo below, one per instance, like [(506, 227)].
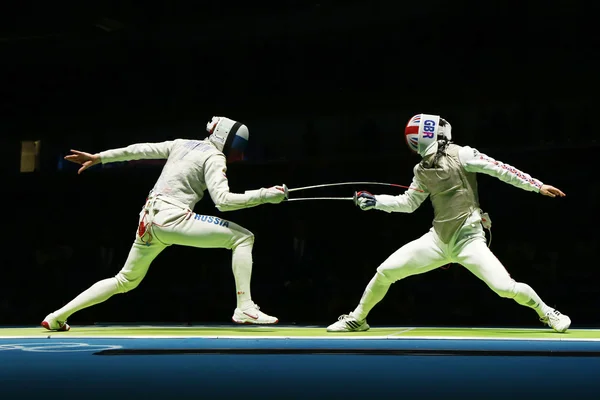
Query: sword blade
[(321, 198), (351, 183)]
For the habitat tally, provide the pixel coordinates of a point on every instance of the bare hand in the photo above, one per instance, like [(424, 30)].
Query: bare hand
[(85, 159), (551, 191)]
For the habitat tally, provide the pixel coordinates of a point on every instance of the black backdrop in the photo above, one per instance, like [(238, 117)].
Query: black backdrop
[(326, 92)]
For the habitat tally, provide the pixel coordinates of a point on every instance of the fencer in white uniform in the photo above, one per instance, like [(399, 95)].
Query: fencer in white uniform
[(447, 174), (167, 217)]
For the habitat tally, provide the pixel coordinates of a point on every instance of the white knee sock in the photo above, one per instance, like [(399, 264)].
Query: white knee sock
[(373, 294), (526, 296), (241, 261), (97, 293)]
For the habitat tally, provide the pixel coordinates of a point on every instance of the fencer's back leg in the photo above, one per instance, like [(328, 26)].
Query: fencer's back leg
[(130, 276), (417, 257), (137, 264)]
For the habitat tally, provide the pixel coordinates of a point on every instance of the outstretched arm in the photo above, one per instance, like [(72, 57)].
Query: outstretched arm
[(141, 151), (218, 188), (474, 161), (407, 202)]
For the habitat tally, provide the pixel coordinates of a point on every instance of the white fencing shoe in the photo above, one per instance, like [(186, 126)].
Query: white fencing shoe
[(557, 321), (347, 323), (252, 315), (52, 324)]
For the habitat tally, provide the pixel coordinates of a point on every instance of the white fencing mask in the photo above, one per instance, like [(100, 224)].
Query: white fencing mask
[(229, 136), (423, 130)]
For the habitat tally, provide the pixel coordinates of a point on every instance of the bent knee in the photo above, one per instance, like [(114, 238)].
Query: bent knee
[(504, 289), (245, 238), (126, 283), (386, 276)]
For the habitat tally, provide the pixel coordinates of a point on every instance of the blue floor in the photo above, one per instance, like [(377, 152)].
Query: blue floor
[(94, 369)]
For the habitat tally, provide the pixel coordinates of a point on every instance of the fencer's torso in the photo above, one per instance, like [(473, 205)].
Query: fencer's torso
[(192, 166), (453, 191), (453, 188), (183, 177)]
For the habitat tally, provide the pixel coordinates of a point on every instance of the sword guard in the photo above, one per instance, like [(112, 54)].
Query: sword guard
[(286, 191)]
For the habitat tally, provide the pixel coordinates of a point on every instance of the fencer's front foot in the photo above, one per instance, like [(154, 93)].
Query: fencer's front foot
[(52, 324), (347, 323), (557, 321), (252, 315)]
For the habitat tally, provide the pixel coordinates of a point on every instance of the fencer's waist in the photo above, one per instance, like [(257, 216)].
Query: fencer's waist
[(153, 197), (450, 230), (456, 215)]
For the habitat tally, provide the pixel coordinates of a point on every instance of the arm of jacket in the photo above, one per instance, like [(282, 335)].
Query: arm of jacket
[(474, 161), (407, 202), (215, 174), (140, 151)]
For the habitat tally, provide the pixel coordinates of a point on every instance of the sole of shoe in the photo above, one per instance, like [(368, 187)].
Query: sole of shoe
[(63, 328), (253, 322)]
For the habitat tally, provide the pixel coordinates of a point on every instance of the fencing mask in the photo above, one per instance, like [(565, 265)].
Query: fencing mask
[(229, 136), (423, 130)]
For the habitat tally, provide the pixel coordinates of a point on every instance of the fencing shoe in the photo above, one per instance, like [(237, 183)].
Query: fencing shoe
[(557, 321), (252, 315), (347, 323), (52, 324)]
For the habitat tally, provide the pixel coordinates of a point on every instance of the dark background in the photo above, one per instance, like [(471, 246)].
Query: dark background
[(326, 91)]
